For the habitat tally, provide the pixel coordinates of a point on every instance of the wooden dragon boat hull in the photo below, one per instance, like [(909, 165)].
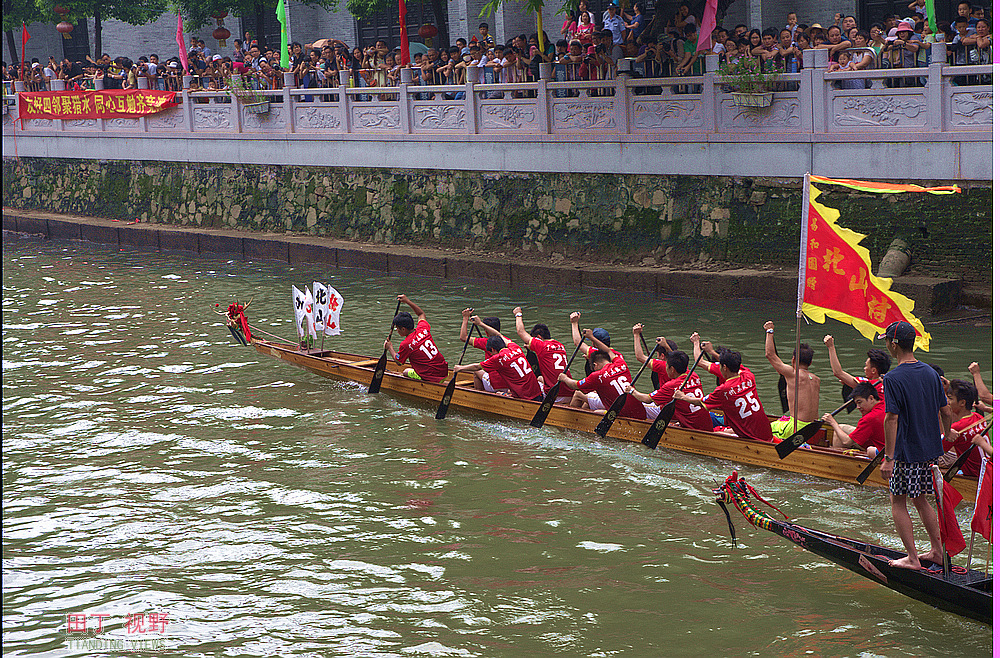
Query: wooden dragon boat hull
[(966, 593), (820, 461)]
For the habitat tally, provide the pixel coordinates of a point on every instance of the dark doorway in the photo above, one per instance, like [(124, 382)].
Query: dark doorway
[(77, 47), (385, 25), (263, 25)]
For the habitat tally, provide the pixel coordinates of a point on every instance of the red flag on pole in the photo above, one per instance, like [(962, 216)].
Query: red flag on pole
[(707, 25), (180, 44), (982, 518), (404, 39), (24, 40), (948, 499)]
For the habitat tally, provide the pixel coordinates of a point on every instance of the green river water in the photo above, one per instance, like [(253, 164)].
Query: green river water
[(152, 465)]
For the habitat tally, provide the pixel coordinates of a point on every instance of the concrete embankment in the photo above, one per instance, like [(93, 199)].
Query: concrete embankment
[(717, 281)]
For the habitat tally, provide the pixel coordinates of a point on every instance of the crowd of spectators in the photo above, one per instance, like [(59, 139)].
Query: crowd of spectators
[(590, 48)]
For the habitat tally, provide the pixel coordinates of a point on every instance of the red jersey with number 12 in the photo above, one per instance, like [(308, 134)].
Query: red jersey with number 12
[(515, 370), (552, 362), (737, 399), (610, 382), (423, 354)]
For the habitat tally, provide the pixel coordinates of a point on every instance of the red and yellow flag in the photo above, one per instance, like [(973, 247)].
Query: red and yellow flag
[(835, 271)]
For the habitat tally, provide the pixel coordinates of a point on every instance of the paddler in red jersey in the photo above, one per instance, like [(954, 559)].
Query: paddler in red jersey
[(552, 360), (962, 398), (609, 379), (508, 360), (736, 396), (417, 346)]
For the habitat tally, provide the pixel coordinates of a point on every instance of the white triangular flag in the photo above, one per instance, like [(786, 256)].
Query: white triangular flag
[(299, 302), (335, 303), (320, 300), (310, 323)]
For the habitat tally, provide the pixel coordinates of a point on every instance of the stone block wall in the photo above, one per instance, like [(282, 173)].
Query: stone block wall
[(598, 217)]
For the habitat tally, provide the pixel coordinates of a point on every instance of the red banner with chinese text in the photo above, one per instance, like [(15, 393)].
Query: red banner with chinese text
[(107, 104), (839, 282)]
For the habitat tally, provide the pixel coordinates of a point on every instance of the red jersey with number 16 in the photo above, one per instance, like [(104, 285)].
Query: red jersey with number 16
[(737, 399), (552, 362), (515, 370), (610, 382), (423, 354)]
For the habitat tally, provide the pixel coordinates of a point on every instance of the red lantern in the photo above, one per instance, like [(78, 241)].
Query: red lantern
[(221, 34), (65, 28), (220, 16), (427, 32), (59, 9)]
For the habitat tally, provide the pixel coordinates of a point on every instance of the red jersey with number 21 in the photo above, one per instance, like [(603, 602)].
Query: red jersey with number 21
[(552, 362), (423, 354), (515, 370), (737, 399), (693, 416), (610, 382)]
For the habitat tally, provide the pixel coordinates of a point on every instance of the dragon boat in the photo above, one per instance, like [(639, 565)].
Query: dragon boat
[(964, 592), (819, 461)]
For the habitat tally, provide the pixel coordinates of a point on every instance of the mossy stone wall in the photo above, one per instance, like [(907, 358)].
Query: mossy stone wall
[(604, 217)]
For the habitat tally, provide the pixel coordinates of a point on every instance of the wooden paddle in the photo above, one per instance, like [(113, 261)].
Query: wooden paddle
[(655, 431), (550, 397), (376, 384), (612, 413), (876, 460), (789, 445), (450, 389), (960, 462)]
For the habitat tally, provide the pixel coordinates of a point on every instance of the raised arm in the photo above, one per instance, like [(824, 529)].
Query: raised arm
[(981, 388), (463, 333), (771, 353), (490, 331), (637, 343), (419, 312), (589, 333), (574, 325), (696, 350), (844, 378), (522, 333)]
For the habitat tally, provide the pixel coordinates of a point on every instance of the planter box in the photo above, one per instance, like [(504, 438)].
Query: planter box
[(258, 108), (759, 101)]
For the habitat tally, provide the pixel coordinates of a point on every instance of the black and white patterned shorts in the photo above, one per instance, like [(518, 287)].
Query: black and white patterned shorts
[(911, 479)]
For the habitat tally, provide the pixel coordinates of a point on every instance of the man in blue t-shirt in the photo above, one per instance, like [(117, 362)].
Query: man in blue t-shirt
[(915, 411)]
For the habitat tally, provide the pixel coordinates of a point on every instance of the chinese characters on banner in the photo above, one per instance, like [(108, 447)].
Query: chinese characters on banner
[(108, 104), (837, 271)]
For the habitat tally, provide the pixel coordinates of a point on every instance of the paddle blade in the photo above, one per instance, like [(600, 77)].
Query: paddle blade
[(543, 410), (876, 460), (446, 399), (959, 463), (376, 384), (789, 445), (655, 431), (610, 416)]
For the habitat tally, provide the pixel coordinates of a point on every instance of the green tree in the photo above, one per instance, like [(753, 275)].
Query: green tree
[(16, 12), (129, 11)]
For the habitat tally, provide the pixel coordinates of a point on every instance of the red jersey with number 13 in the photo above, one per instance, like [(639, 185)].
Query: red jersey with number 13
[(515, 370), (610, 382), (423, 354), (737, 399)]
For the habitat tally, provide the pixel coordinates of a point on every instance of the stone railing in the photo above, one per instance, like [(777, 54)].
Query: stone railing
[(813, 108)]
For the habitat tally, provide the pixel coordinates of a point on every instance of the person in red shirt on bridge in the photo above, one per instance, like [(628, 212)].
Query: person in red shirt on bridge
[(509, 361), (417, 346), (736, 396)]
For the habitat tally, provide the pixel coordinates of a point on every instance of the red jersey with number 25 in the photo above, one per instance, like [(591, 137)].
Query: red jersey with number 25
[(423, 354), (693, 416), (552, 362), (737, 399), (610, 382), (515, 370)]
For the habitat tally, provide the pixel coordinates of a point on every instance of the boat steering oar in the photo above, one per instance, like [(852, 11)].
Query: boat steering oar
[(655, 431), (450, 389), (550, 397), (807, 432), (376, 384), (612, 413)]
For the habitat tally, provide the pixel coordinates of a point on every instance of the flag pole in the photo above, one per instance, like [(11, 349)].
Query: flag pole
[(803, 236)]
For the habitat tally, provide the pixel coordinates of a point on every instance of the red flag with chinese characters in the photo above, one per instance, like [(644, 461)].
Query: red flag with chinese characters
[(982, 518), (948, 499), (24, 42), (836, 278)]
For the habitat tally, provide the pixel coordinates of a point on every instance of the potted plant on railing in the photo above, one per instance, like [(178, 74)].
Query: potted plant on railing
[(752, 82), (255, 100)]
